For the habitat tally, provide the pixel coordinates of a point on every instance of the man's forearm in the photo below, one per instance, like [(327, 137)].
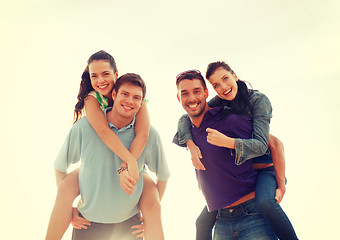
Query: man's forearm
[(277, 152)]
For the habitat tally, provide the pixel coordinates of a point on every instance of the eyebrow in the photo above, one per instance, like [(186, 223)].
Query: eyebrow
[(101, 72), (225, 75)]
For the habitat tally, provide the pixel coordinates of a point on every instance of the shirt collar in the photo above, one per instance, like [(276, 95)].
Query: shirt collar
[(130, 125), (215, 113)]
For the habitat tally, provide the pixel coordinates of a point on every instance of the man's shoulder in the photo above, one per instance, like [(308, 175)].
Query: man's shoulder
[(153, 132), (81, 124)]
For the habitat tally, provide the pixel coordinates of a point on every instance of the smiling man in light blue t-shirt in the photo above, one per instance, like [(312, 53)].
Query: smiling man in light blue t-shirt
[(104, 203)]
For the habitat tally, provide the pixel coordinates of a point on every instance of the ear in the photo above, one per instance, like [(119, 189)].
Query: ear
[(206, 91), (235, 76), (113, 93), (116, 74), (178, 98)]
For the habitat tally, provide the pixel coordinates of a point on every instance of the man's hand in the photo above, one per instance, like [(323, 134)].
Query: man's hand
[(77, 221), (280, 192), (127, 182), (139, 229), (196, 155)]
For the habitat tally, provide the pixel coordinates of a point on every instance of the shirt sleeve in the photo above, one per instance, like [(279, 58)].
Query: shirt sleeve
[(183, 131), (155, 159), (70, 150), (261, 111)]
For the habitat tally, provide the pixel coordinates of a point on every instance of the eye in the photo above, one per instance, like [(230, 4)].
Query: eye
[(225, 79), (197, 92), (184, 94), (216, 86)]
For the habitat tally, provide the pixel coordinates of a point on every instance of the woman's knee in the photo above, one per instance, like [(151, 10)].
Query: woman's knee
[(68, 189), (265, 204)]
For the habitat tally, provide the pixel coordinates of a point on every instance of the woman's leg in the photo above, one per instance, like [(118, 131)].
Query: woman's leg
[(265, 200), (61, 214), (204, 224), (150, 206)]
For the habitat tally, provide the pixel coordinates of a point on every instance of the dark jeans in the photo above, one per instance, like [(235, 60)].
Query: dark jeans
[(110, 231), (242, 222), (265, 201)]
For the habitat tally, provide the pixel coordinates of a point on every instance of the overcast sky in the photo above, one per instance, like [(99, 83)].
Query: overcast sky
[(288, 50)]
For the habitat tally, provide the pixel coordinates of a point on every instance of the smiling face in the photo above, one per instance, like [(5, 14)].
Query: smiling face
[(102, 77), (192, 96), (128, 100), (224, 83)]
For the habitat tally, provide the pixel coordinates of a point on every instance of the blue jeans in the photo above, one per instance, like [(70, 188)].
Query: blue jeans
[(265, 201), (243, 222)]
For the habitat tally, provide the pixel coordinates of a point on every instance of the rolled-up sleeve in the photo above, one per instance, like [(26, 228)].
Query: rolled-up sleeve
[(246, 149)]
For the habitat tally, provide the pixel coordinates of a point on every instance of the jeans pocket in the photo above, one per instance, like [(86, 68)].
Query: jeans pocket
[(251, 211)]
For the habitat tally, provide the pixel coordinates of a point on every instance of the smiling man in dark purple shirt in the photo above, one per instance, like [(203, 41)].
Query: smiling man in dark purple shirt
[(227, 187)]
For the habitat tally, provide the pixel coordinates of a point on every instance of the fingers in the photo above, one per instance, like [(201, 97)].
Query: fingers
[(210, 130), (278, 196), (128, 187), (139, 230), (198, 164), (79, 222)]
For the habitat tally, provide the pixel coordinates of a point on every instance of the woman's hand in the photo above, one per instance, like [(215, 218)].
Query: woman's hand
[(195, 155), (77, 221), (133, 171), (127, 182), (219, 139)]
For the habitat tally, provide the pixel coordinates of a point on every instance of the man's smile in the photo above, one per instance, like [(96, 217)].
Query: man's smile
[(193, 105)]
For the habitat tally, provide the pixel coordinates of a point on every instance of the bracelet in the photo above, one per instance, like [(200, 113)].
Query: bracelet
[(122, 169)]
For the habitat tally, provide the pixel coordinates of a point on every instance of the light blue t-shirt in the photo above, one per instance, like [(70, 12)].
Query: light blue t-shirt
[(104, 200)]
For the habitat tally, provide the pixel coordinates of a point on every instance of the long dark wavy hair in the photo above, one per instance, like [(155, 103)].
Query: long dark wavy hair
[(85, 83), (240, 104)]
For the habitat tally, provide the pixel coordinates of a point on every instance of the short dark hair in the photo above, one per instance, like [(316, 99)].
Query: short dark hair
[(190, 75), (132, 78), (212, 67)]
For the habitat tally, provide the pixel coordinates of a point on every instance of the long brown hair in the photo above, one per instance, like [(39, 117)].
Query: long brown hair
[(85, 83)]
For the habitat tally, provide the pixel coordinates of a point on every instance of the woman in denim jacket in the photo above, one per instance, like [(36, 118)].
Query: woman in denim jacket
[(235, 96)]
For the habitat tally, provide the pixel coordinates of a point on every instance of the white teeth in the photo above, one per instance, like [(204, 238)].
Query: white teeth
[(193, 105), (128, 108), (103, 86), (226, 92)]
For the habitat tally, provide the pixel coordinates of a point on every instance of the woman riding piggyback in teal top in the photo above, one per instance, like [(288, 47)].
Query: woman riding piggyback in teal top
[(265, 150)]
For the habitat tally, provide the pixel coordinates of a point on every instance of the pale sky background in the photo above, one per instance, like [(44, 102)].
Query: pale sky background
[(288, 50)]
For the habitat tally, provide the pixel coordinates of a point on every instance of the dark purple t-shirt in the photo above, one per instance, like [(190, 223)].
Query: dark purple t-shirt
[(223, 182)]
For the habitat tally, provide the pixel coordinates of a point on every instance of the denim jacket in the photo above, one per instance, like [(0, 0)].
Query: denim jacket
[(245, 149)]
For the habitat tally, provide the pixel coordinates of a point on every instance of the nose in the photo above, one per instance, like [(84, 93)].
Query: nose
[(191, 98), (224, 85), (100, 79)]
